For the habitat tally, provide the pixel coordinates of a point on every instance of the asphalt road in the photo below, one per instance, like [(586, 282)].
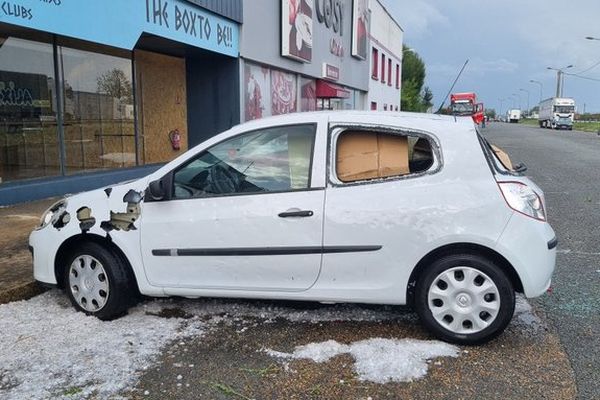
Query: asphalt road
[(566, 165)]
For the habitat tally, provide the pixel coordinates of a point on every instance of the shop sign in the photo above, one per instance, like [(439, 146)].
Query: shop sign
[(120, 23), (331, 72), (360, 26), (297, 29)]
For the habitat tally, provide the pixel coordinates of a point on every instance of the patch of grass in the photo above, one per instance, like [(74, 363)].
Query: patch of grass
[(587, 126), (228, 390), (72, 391), (262, 372)]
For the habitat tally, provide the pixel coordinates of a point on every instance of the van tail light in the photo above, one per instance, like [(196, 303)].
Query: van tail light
[(523, 199)]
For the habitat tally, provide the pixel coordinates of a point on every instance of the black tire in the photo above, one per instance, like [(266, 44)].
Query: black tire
[(481, 264), (122, 292)]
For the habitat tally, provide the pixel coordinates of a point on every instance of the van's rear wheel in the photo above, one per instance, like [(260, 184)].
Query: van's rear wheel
[(465, 299), (97, 281)]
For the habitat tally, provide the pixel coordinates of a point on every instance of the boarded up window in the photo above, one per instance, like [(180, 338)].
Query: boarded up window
[(363, 155)]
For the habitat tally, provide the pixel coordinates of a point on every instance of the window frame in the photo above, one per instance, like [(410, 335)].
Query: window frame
[(336, 130), (382, 67), (170, 176), (375, 66), (390, 71), (397, 76)]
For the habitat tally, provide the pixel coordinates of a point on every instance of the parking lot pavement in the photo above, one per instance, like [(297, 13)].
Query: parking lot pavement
[(566, 165), (16, 273), (183, 349)]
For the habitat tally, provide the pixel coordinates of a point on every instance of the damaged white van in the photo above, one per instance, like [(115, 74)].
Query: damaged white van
[(364, 207)]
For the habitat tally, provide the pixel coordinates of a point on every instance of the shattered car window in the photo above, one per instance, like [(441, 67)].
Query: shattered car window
[(270, 160), (364, 155)]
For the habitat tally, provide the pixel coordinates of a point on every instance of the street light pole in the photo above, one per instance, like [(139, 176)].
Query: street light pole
[(541, 88), (559, 79), (526, 91), (501, 105), (519, 96)]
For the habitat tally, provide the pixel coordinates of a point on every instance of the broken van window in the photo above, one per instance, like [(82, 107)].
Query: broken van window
[(268, 160), (502, 157), (364, 155)]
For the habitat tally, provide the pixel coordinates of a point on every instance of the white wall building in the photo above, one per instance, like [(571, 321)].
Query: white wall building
[(386, 60)]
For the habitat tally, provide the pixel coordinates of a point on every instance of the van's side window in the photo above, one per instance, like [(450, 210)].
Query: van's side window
[(270, 160), (365, 155)]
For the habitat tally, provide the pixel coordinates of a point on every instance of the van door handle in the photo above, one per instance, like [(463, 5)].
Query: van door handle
[(301, 213)]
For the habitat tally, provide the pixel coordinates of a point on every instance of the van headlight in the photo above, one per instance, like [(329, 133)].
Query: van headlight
[(52, 212)]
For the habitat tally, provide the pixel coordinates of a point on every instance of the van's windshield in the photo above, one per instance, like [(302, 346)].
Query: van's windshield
[(462, 108), (564, 109)]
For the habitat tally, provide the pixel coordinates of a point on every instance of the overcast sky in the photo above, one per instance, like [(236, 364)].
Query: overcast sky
[(508, 43)]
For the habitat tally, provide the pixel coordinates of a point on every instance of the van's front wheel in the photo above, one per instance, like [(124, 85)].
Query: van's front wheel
[(97, 282), (465, 299)]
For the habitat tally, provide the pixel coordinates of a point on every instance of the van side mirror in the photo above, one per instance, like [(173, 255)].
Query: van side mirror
[(157, 190)]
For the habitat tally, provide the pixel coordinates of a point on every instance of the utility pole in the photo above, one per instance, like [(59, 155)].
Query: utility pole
[(559, 79)]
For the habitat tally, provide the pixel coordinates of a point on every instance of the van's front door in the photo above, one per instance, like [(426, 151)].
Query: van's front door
[(243, 216)]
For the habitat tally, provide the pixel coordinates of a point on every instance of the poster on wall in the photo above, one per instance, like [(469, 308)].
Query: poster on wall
[(283, 92), (360, 25), (257, 96), (308, 95), (297, 29)]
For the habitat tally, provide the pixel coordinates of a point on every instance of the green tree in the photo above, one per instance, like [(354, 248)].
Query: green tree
[(490, 113), (427, 98), (414, 96), (115, 83)]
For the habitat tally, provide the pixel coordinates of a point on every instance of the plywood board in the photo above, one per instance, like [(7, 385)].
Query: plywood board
[(161, 82)]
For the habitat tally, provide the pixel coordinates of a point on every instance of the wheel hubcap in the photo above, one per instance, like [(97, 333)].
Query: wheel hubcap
[(464, 300), (88, 283)]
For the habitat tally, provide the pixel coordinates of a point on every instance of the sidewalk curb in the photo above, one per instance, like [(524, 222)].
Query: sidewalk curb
[(21, 292)]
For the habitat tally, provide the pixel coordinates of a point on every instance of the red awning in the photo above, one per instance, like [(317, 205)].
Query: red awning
[(331, 90)]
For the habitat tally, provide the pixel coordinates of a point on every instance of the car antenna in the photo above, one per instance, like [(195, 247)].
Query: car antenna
[(452, 87)]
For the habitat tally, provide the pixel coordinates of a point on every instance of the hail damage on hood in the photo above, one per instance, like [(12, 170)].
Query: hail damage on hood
[(124, 221), (86, 221)]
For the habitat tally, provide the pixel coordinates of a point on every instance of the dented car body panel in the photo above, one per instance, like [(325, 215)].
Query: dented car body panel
[(357, 242)]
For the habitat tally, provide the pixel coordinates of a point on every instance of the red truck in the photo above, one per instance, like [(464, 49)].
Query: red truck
[(466, 104)]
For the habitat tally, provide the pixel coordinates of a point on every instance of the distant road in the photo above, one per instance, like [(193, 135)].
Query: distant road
[(566, 165)]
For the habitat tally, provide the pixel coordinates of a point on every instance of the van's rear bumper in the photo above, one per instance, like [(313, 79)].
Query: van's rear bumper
[(530, 246)]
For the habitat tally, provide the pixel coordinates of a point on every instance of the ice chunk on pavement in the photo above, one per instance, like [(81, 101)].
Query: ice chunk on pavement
[(378, 360)]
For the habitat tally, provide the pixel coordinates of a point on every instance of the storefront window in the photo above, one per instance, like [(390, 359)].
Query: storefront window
[(98, 110), (28, 130)]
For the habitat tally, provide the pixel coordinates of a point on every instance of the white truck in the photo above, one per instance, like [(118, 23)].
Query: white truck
[(557, 113), (513, 115)]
